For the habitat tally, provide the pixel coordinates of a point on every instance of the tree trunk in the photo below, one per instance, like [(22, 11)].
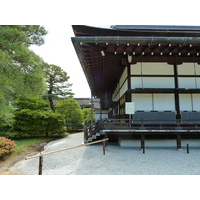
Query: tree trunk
[(51, 104)]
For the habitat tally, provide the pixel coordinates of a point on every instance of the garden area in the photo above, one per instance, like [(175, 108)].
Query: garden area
[(36, 99)]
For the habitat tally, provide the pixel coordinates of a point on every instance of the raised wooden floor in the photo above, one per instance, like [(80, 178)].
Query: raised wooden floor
[(143, 128)]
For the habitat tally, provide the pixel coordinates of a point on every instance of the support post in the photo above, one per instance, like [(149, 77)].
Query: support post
[(91, 111), (40, 165), (106, 136), (178, 140), (176, 94), (142, 141), (144, 149), (104, 147), (188, 151)]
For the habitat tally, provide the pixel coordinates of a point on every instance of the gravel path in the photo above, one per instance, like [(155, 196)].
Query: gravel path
[(89, 160)]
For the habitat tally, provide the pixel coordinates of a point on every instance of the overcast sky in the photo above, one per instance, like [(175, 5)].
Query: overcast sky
[(58, 50)]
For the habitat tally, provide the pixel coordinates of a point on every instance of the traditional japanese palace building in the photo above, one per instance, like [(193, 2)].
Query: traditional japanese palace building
[(146, 77)]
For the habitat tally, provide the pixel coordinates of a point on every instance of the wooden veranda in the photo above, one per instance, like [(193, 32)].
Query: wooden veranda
[(142, 128)]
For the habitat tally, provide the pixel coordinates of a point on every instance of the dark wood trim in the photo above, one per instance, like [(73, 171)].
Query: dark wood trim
[(166, 59), (176, 94), (152, 75), (178, 140), (165, 90), (142, 140), (129, 76), (142, 75)]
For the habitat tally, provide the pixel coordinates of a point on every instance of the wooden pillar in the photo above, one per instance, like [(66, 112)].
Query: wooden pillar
[(176, 94), (128, 93), (91, 111), (104, 147), (142, 141), (106, 136), (178, 140)]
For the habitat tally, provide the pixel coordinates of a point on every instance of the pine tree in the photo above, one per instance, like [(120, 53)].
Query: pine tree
[(57, 83), (21, 70)]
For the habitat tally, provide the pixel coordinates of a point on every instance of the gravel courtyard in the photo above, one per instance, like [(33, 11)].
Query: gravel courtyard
[(160, 159)]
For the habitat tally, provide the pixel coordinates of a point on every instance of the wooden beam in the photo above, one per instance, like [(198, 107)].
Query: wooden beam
[(176, 94), (178, 140), (142, 140), (167, 59)]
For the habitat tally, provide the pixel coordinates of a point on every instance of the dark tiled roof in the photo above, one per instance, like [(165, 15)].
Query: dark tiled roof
[(156, 27)]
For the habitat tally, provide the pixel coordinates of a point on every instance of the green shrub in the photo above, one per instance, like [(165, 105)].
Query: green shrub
[(72, 113), (33, 117), (87, 116), (6, 145), (8, 134)]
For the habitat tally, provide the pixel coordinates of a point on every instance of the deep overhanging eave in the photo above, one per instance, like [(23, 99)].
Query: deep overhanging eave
[(150, 40), (78, 52)]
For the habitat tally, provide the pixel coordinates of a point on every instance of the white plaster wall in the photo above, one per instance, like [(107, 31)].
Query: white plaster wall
[(157, 69), (115, 95), (123, 77), (196, 102), (136, 82), (123, 85), (197, 67), (142, 101), (124, 88), (186, 69), (116, 98), (164, 102), (187, 82), (136, 69), (152, 69), (198, 82), (158, 82), (185, 102)]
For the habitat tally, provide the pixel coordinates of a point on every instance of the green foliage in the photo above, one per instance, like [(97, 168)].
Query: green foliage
[(33, 117), (57, 84), (87, 115), (21, 70), (72, 113), (6, 146), (56, 124)]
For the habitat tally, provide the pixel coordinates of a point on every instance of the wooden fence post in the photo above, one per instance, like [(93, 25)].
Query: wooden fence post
[(104, 147), (40, 165), (142, 141), (144, 149), (188, 148)]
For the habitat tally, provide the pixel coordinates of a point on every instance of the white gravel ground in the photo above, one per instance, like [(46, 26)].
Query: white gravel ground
[(162, 159)]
